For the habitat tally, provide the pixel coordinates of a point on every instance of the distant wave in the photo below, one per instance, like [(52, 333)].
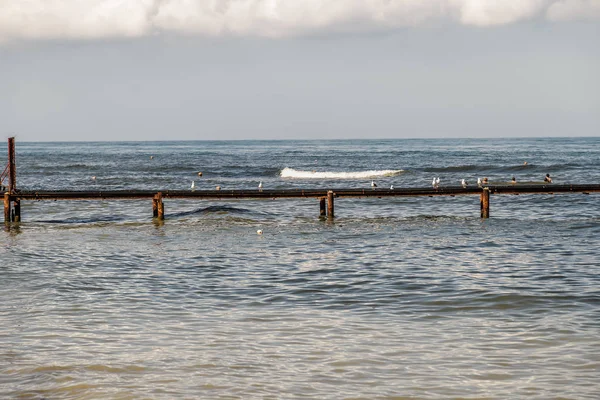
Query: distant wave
[(298, 174), (218, 209), (459, 168), (500, 168)]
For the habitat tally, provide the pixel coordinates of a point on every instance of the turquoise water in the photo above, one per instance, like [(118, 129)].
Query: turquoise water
[(396, 298)]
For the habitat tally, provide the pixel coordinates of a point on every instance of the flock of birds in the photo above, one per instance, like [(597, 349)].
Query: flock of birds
[(435, 182)]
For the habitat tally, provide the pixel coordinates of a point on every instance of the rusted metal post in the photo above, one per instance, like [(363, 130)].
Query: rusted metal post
[(17, 210), (322, 209), (485, 203), (6, 207), (330, 213), (160, 206), (155, 206), (12, 165)]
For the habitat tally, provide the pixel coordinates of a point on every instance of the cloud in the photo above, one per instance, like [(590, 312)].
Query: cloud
[(565, 10), (65, 18), (51, 19), (497, 12)]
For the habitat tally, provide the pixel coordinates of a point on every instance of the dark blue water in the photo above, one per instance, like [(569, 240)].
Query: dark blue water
[(395, 298)]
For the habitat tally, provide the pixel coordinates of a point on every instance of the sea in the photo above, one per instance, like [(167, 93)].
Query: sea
[(394, 298)]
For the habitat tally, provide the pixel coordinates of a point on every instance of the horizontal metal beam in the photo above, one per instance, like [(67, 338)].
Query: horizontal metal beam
[(300, 193)]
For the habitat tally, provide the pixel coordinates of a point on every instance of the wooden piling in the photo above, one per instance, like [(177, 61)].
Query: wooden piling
[(160, 206), (485, 203), (6, 207), (330, 213), (322, 207)]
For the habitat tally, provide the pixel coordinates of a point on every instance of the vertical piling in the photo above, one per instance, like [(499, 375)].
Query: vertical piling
[(330, 213), (155, 206), (322, 207), (12, 165), (160, 206), (485, 203), (6, 207), (17, 210)]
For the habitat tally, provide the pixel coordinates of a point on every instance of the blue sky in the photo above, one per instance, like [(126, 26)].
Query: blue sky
[(269, 69)]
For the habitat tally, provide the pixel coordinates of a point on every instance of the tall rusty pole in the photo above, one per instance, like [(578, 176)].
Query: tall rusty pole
[(12, 165), (485, 203)]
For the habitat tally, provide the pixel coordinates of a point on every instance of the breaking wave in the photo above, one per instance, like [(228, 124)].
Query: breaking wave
[(293, 173)]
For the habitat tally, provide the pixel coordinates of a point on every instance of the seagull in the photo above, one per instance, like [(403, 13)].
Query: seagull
[(433, 182), (260, 185), (478, 181), (193, 187), (464, 183), (373, 184), (391, 187)]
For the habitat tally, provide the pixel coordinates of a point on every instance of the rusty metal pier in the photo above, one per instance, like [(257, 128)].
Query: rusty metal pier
[(13, 196), (325, 196)]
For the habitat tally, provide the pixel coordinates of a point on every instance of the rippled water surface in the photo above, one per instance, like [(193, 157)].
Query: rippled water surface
[(412, 298)]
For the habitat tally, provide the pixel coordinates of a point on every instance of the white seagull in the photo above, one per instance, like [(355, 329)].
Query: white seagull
[(433, 182), (391, 187), (373, 184), (260, 185), (193, 187), (437, 181), (464, 183), (478, 181)]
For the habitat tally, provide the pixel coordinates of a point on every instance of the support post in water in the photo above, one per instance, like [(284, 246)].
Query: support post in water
[(485, 203), (17, 210), (12, 165), (160, 206), (6, 207), (330, 213), (322, 209), (155, 206)]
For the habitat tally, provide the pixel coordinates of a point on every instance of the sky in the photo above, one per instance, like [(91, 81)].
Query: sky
[(108, 70)]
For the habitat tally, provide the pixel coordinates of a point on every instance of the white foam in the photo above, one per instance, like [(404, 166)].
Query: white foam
[(298, 174)]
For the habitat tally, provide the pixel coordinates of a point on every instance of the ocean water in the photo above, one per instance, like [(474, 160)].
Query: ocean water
[(396, 298)]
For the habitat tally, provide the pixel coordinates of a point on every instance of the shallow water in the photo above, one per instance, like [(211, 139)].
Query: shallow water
[(412, 298)]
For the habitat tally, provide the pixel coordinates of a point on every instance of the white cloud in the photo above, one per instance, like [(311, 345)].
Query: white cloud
[(44, 19), (497, 12), (80, 19), (565, 10)]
